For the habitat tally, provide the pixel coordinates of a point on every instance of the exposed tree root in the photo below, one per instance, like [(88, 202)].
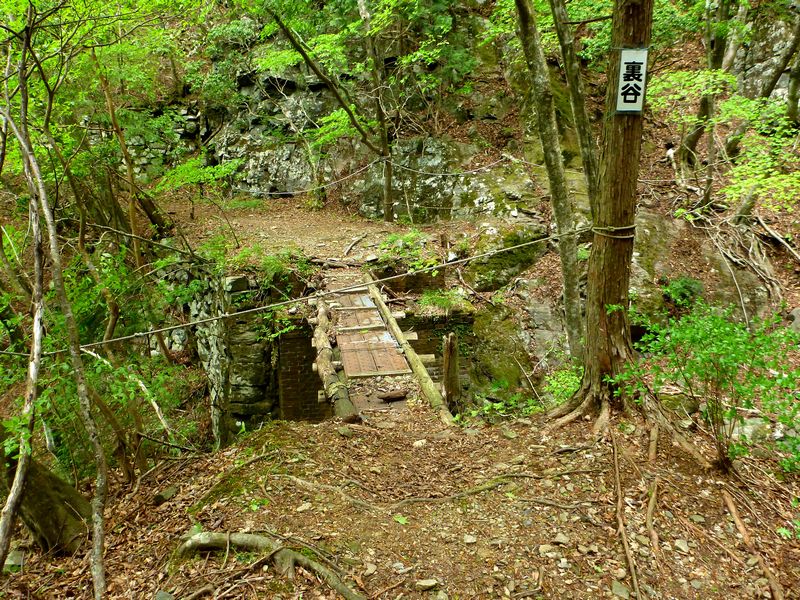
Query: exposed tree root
[(621, 520), (774, 584), (652, 450), (583, 403), (284, 559), (656, 416)]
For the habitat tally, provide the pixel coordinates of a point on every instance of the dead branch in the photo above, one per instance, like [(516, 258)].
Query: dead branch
[(778, 237), (354, 243), (284, 559), (315, 487), (774, 584), (621, 518), (651, 507)]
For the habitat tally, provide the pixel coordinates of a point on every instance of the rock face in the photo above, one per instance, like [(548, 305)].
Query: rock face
[(254, 374)]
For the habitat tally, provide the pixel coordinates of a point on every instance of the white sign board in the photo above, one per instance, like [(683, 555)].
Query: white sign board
[(632, 80)]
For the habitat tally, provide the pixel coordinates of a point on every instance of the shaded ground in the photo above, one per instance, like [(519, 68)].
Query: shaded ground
[(488, 512)]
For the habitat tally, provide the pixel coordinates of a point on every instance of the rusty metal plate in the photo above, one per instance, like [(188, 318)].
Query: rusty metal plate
[(370, 353)]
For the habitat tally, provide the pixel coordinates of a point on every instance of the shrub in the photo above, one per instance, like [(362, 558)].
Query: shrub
[(710, 357)]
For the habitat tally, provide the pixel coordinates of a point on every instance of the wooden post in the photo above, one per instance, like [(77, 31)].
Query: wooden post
[(452, 384), (335, 389), (429, 389)]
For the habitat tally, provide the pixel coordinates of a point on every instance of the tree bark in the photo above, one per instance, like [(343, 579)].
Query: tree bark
[(577, 95), (560, 199), (53, 511), (794, 91), (39, 196), (378, 82), (608, 342), (452, 382), (23, 460), (335, 389)]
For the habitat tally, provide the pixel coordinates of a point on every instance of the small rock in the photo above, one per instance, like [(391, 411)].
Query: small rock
[(697, 518), (470, 539), (165, 495), (752, 561), (370, 569), (563, 564), (399, 567), (14, 561), (371, 258), (292, 310), (620, 589), (305, 506), (645, 541), (420, 443), (440, 595), (162, 595), (509, 434), (682, 546), (561, 539), (545, 549), (696, 584), (620, 573), (423, 585), (471, 432), (345, 431)]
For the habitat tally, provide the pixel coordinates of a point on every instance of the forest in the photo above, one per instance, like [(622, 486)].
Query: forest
[(384, 299)]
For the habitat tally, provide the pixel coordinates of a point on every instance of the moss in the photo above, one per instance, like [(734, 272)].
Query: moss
[(496, 271), (498, 344)]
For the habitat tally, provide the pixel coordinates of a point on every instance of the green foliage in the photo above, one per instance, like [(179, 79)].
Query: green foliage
[(500, 402), (563, 383), (714, 359), (274, 323), (410, 249), (683, 291), (195, 172), (792, 530), (446, 300)]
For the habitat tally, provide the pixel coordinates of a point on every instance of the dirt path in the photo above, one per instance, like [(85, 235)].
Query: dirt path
[(489, 512)]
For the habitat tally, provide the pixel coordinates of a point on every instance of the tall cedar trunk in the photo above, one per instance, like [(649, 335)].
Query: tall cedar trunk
[(378, 83), (608, 341), (577, 96), (551, 146), (53, 511)]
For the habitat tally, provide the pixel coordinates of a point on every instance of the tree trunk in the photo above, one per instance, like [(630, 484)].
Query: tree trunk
[(794, 91), (12, 273), (551, 146), (378, 82), (335, 389), (452, 383), (608, 342), (577, 96), (715, 42), (16, 491), (39, 197), (54, 512)]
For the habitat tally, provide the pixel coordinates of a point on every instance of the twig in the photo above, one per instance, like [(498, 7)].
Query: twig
[(163, 443), (353, 244), (651, 507), (380, 593), (775, 235), (717, 543), (485, 487), (331, 488), (774, 584), (207, 590), (621, 518)]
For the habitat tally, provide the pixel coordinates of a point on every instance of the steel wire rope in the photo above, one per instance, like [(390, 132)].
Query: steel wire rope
[(320, 294)]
